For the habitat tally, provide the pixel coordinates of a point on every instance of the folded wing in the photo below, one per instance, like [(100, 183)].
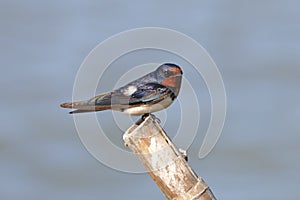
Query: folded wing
[(149, 93)]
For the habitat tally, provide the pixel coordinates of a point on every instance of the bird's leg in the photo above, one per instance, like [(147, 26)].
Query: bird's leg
[(152, 116), (145, 116)]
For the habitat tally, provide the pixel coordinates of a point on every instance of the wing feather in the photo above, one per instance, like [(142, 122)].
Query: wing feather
[(149, 93)]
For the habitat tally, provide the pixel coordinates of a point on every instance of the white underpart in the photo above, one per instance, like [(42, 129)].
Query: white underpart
[(129, 90), (140, 110)]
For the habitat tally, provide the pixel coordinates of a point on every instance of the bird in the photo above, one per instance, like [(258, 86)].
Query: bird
[(150, 93)]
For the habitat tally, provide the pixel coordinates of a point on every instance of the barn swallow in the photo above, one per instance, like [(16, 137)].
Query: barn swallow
[(150, 93)]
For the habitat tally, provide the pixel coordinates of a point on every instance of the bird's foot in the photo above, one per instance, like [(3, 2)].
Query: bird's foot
[(145, 116), (152, 116)]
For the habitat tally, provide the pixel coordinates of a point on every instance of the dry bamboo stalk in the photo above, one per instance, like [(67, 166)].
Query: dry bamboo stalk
[(164, 163)]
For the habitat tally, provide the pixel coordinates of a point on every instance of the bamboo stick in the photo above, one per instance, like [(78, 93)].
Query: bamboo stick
[(164, 163)]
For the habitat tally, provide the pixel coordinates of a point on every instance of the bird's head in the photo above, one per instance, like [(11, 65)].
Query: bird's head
[(170, 75)]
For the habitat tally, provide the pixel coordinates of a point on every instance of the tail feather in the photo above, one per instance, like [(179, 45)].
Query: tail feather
[(83, 106), (80, 111), (97, 103), (70, 104)]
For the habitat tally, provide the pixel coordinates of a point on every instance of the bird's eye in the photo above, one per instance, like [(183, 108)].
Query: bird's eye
[(166, 72)]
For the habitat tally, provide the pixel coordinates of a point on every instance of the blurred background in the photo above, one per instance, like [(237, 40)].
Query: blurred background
[(255, 44)]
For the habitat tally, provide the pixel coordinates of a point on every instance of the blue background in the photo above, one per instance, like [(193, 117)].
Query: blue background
[(255, 44)]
